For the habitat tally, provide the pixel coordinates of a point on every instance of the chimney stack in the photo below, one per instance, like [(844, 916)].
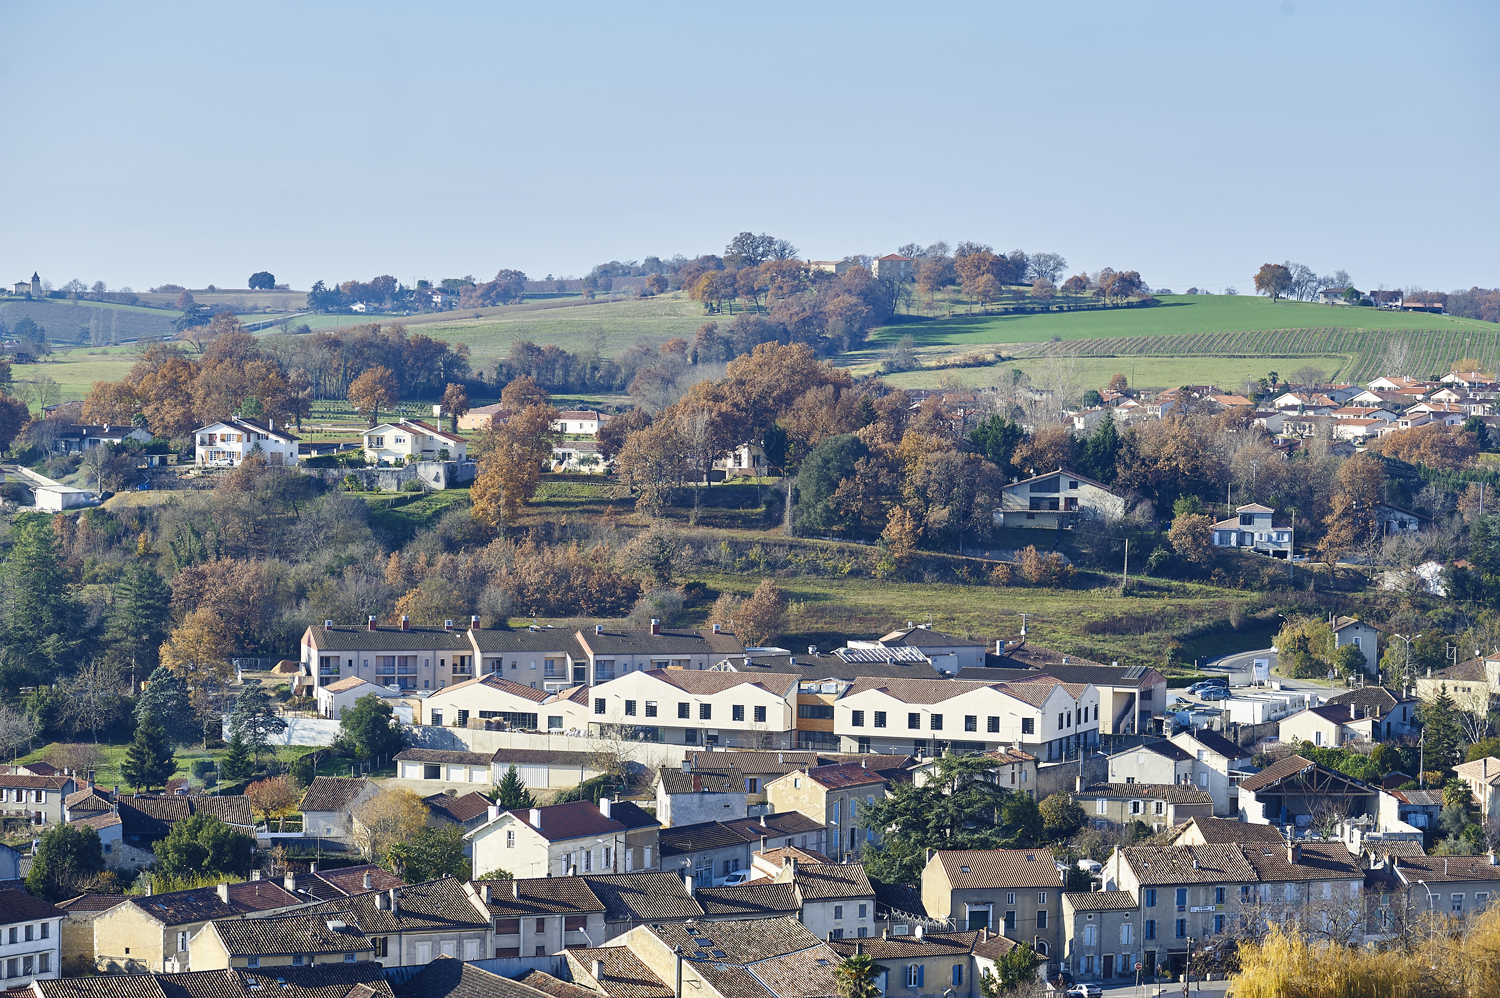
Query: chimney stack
[(405, 622), (313, 866), (604, 806), (447, 625), (369, 881), (687, 883), (327, 625), (999, 646), (254, 874), (655, 626), (289, 881), (598, 970), (598, 628), (223, 891), (984, 933), (762, 843), (1294, 853), (716, 628), (492, 812), (371, 623), (148, 886), (382, 902), (484, 894), (536, 817), (474, 623), (515, 890), (395, 903)]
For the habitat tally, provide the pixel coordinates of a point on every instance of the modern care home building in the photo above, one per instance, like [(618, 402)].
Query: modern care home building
[(1043, 717)]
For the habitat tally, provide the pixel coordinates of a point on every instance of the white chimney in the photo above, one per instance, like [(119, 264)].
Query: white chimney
[(484, 893), (254, 874), (372, 622), (289, 881), (918, 932), (598, 628), (447, 625), (716, 628), (598, 970), (327, 625), (536, 817), (223, 892), (604, 806), (369, 880), (687, 883), (515, 889), (493, 812)]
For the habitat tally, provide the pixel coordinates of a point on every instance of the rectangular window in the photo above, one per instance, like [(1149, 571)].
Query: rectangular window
[(1150, 897), (857, 718), (1010, 897), (880, 719), (1028, 725), (1218, 895), (1059, 721), (864, 909), (598, 705), (971, 722), (1181, 928), (1041, 918), (1150, 928), (510, 838), (737, 712), (685, 710), (913, 721), (44, 963), (650, 708), (507, 926), (252, 961), (993, 725), (1010, 921), (1101, 806), (1127, 934), (1182, 897), (760, 714), (1218, 925), (1041, 897), (629, 708), (958, 975), (705, 711), (937, 722), (838, 912)]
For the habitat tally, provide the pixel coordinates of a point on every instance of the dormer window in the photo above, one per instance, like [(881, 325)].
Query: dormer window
[(1247, 519)]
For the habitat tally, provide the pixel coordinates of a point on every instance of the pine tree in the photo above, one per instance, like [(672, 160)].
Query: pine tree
[(236, 764), (139, 623), (43, 614), (149, 761), (253, 720), (513, 793), (1440, 730), (166, 698)]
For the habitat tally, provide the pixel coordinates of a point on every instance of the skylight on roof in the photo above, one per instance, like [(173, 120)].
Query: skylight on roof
[(720, 954), (965, 869), (698, 954), (702, 942)]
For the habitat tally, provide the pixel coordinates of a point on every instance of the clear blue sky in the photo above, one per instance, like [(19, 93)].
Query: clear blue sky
[(1192, 141)]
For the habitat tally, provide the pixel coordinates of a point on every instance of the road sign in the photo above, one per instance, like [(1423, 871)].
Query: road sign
[(1137, 966)]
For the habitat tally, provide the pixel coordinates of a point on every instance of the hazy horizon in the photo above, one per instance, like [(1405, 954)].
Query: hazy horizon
[(177, 143)]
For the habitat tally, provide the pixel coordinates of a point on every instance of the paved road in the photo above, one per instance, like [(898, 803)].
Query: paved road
[(1211, 989)]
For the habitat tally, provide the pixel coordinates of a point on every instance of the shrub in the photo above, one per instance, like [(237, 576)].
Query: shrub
[(412, 485)]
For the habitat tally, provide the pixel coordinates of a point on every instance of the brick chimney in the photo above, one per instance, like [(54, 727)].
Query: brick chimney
[(405, 622), (655, 626), (447, 625), (1294, 853), (372, 622)]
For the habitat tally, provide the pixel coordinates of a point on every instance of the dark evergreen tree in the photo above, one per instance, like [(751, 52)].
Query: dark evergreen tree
[(996, 439), (141, 618), (236, 764), (149, 761), (203, 846), (1102, 450), (1441, 733), (166, 699), (42, 629), (367, 729), (513, 793)]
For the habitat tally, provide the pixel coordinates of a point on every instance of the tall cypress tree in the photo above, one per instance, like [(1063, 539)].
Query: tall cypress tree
[(139, 622), (149, 761)]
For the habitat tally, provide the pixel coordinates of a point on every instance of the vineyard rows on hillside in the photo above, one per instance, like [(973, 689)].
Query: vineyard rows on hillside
[(1429, 352)]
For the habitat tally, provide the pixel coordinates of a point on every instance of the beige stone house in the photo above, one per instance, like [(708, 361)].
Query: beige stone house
[(1160, 805), (1013, 892), (153, 933), (414, 925), (292, 940), (834, 796)]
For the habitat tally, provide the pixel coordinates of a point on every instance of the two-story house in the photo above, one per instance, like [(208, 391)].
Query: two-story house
[(1393, 714), (613, 653), (834, 900), (1331, 725), (488, 698), (709, 851), (836, 796), (330, 802), (1218, 766), (683, 706), (1055, 500), (153, 933), (1160, 805), (554, 841), (582, 422), (1015, 892), (1129, 696), (408, 440), (1153, 762), (1353, 631), (535, 917), (1253, 528), (39, 799), (1483, 778), (226, 443)]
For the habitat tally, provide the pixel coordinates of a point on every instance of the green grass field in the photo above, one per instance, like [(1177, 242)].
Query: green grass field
[(1143, 372), (75, 370)]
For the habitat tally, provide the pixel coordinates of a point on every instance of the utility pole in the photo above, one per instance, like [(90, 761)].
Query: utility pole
[(1126, 577)]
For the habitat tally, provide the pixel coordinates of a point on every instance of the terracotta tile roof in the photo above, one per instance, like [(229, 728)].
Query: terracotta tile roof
[(539, 896), (112, 986), (847, 774), (918, 690), (1319, 861), (707, 682), (346, 881), (1100, 900), (283, 935), (697, 837), (1220, 864), (259, 895), (18, 906), (88, 799), (152, 817), (333, 793), (431, 906), (909, 947), (832, 881), (808, 974), (1172, 793), (760, 899), (28, 782), (622, 974), (495, 682), (458, 809), (344, 685), (446, 977), (785, 823), (728, 780), (741, 942), (1486, 770), (573, 820), (363, 979), (778, 857), (643, 897), (450, 757), (979, 869), (556, 987), (92, 903)]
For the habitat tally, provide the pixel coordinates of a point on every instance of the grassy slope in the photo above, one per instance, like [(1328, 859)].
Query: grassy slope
[(1143, 372), (76, 370)]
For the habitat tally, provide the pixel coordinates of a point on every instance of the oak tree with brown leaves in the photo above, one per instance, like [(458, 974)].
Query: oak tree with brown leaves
[(511, 457), (374, 390)]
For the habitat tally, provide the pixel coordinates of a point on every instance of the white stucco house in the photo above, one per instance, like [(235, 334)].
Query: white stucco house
[(1057, 499), (228, 442), (411, 440), (1253, 527)]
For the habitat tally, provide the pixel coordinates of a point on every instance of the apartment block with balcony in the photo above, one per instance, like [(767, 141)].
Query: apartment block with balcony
[(685, 707), (611, 654), (405, 656)]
